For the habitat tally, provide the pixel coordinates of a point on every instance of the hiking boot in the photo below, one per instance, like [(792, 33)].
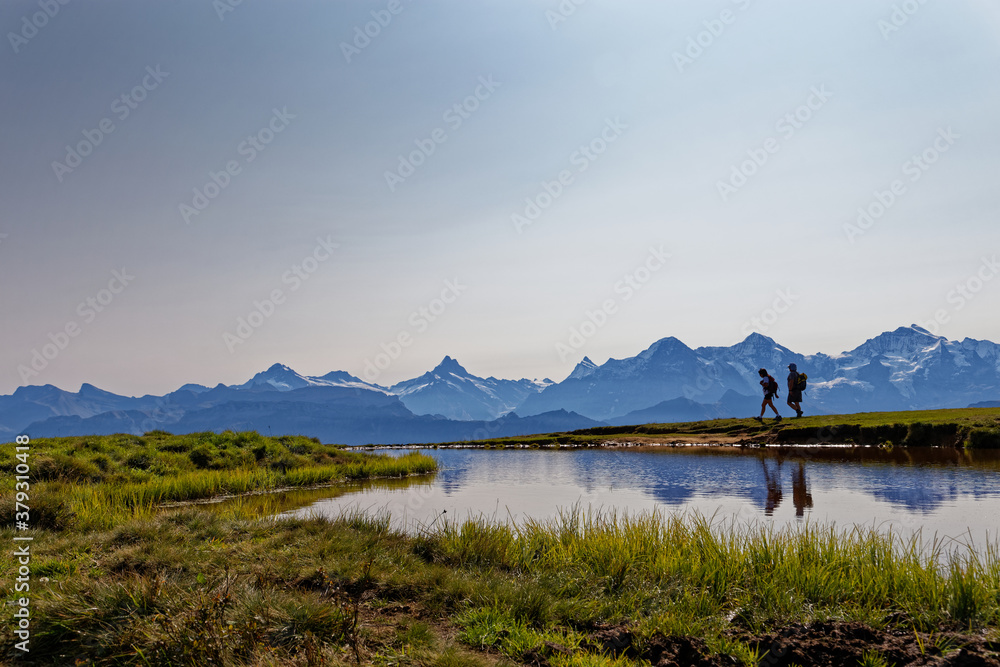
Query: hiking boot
[(777, 418), (799, 414), (760, 419)]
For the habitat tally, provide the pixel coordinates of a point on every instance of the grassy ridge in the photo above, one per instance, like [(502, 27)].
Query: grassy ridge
[(968, 427), (96, 481)]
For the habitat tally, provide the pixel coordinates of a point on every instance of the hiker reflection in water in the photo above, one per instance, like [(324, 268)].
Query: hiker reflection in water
[(801, 497), (772, 481)]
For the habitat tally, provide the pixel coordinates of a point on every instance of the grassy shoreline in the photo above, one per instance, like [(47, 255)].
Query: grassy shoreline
[(94, 482), (128, 580)]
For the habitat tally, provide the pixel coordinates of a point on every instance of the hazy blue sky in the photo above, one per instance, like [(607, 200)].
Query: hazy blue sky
[(695, 165)]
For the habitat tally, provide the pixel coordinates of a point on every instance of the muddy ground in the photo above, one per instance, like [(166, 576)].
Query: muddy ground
[(815, 645)]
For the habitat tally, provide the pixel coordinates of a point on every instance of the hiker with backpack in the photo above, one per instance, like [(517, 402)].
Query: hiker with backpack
[(796, 383), (770, 386)]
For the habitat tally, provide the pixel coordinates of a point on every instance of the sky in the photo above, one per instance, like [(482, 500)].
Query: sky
[(193, 191)]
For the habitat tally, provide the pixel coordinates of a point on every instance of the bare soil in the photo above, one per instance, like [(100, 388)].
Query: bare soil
[(815, 645)]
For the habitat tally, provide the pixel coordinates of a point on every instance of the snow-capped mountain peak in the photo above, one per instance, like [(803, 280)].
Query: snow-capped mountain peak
[(283, 378), (663, 347), (345, 379), (279, 377), (450, 366), (757, 343), (904, 369), (583, 369), (903, 342), (452, 391)]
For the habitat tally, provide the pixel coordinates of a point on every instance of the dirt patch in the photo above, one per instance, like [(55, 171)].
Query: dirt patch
[(540, 657), (845, 644), (814, 645)]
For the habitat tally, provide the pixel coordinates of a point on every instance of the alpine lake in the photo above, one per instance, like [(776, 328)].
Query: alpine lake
[(942, 496)]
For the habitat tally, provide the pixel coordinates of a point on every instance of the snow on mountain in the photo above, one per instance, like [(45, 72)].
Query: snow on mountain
[(908, 368), (736, 367), (448, 390), (911, 368), (754, 352), (904, 342), (344, 379), (451, 391), (666, 369), (583, 369), (278, 377), (283, 378), (982, 349)]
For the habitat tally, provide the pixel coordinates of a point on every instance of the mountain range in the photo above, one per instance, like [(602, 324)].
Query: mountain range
[(905, 369)]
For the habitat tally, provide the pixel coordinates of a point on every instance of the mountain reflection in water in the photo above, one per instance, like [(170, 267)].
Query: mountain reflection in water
[(939, 490)]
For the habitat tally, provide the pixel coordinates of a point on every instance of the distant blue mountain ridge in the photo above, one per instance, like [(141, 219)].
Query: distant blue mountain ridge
[(905, 369)]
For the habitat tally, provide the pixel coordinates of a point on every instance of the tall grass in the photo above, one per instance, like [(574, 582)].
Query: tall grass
[(104, 505), (413, 463), (192, 586), (99, 482), (689, 575)]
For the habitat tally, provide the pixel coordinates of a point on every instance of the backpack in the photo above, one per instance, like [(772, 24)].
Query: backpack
[(800, 381), (772, 385)]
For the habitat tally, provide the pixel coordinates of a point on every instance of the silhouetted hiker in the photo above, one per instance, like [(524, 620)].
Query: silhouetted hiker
[(794, 393), (770, 386)]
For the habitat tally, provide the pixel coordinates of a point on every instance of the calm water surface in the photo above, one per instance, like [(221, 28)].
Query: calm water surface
[(947, 492)]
